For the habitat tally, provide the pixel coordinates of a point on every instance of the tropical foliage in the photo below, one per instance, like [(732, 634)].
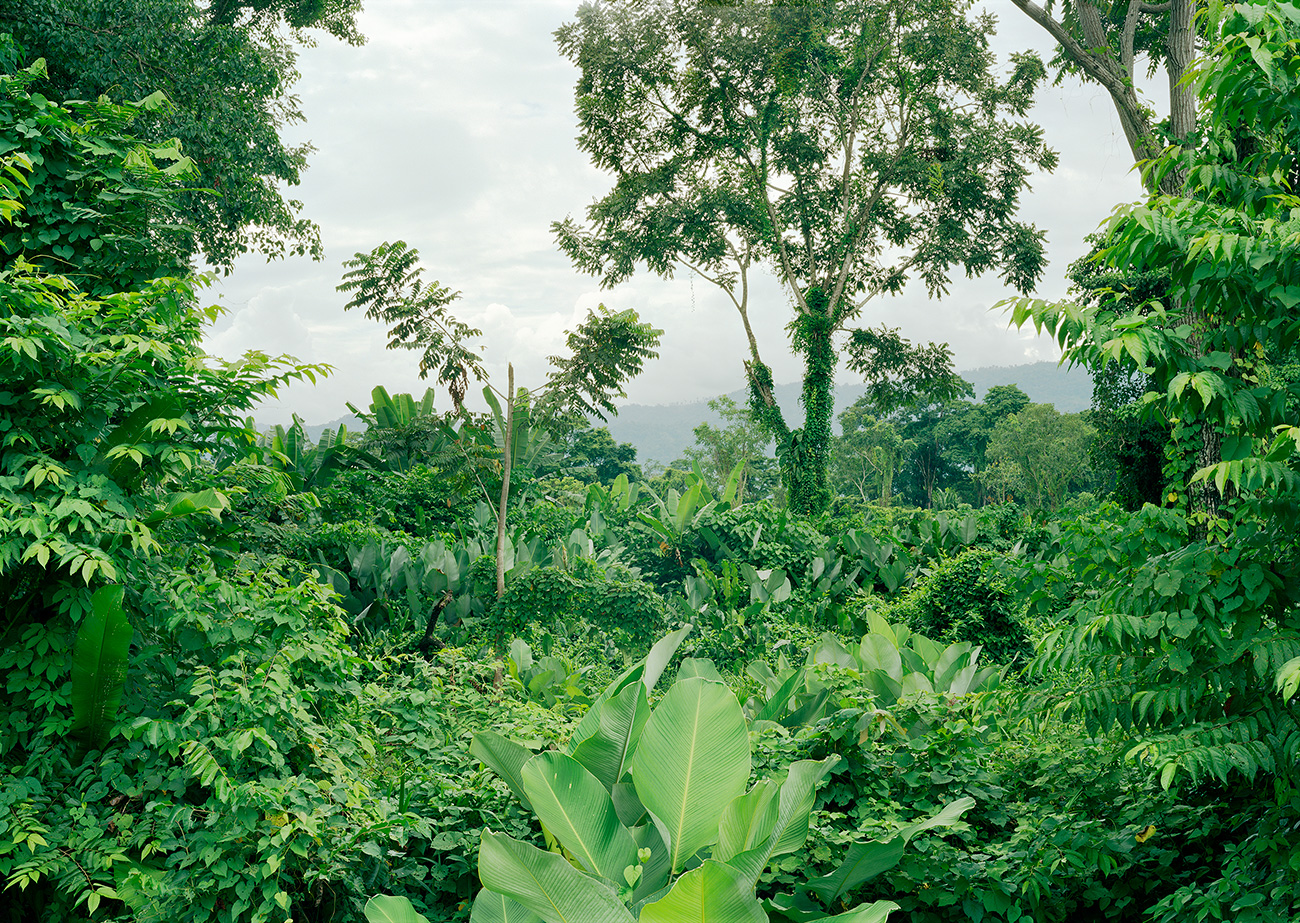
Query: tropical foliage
[(251, 675)]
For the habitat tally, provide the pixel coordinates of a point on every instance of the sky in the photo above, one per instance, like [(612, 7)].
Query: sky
[(453, 129)]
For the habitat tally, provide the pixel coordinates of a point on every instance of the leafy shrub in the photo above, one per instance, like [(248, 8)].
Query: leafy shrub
[(544, 596), (964, 598), (536, 600)]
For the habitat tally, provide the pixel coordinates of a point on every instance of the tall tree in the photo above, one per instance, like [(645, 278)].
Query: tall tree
[(1049, 449), (1103, 42), (848, 145), (227, 67)]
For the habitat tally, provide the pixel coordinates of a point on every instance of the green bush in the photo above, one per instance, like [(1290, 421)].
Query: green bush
[(540, 599), (963, 598)]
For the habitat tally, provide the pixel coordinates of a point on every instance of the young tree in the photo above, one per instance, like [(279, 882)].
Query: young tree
[(848, 145), (606, 350)]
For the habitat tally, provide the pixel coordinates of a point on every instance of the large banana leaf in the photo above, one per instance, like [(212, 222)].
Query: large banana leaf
[(546, 883), (490, 907), (877, 912), (646, 671), (712, 893), (384, 908), (577, 810), (608, 752), (748, 821), (693, 759), (504, 757), (99, 661), (789, 827)]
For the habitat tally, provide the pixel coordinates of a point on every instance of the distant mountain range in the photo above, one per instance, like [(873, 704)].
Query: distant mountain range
[(662, 432)]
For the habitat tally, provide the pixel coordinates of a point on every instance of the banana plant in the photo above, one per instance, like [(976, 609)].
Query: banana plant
[(546, 679), (648, 811), (676, 514), (99, 663), (790, 696), (894, 661)]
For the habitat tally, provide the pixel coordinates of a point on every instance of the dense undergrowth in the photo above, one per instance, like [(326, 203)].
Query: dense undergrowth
[(249, 677)]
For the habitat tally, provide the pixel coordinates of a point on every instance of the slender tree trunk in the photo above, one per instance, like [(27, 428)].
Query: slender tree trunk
[(507, 456)]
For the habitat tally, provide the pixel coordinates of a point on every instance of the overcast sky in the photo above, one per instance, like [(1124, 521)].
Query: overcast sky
[(453, 129)]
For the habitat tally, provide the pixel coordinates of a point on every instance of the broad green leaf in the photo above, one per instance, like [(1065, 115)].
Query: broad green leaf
[(504, 757), (862, 862), (577, 810), (608, 751), (712, 893), (647, 672), (99, 662), (808, 711), (878, 652), (545, 883), (490, 907), (915, 682), (693, 758), (876, 912), (950, 661), (385, 908), (657, 660), (748, 821), (828, 649), (790, 826), (776, 706), (627, 805), (698, 666)]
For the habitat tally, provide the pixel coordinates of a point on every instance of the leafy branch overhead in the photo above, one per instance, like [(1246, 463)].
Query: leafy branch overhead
[(607, 349), (388, 284)]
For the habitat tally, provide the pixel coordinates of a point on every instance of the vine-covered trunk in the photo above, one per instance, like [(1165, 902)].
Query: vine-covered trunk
[(806, 461)]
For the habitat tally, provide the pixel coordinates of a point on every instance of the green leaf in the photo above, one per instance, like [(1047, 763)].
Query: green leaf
[(776, 706), (712, 893), (862, 862), (577, 810), (747, 821), (384, 908), (546, 883), (876, 912), (99, 663), (608, 751), (504, 757), (789, 827), (693, 759), (647, 672), (490, 907)]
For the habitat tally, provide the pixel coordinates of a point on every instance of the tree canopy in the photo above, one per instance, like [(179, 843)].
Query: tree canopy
[(227, 69), (847, 146)]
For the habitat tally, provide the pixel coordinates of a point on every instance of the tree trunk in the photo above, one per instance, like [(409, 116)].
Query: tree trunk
[(507, 456), (807, 460)]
